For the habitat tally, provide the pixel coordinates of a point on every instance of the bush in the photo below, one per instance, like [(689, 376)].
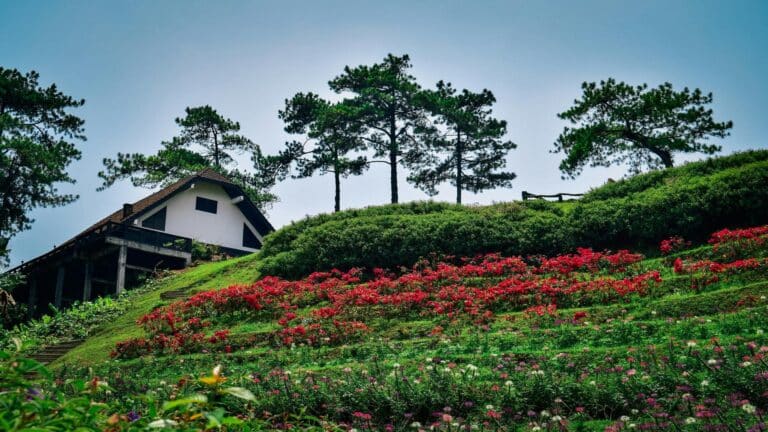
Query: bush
[(702, 198), (653, 179)]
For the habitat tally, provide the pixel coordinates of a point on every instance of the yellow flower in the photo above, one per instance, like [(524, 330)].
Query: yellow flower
[(215, 377)]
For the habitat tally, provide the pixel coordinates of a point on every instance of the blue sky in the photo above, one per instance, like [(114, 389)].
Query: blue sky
[(138, 64)]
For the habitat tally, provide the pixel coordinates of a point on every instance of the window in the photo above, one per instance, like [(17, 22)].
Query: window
[(156, 221), (206, 205), (249, 238)]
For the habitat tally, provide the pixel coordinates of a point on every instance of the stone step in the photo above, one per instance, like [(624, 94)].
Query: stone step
[(176, 294), (53, 352)]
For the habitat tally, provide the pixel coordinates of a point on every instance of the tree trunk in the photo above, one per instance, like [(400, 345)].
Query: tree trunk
[(459, 179), (666, 158), (216, 151), (393, 158), (337, 195)]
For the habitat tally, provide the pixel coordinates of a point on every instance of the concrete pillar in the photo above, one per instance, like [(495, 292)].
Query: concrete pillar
[(59, 286), (87, 280), (122, 260)]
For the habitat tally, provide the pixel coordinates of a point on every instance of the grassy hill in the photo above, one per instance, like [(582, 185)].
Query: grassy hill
[(576, 339), (582, 340)]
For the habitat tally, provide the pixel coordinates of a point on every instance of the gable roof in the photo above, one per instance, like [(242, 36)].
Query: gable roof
[(249, 209), (151, 201)]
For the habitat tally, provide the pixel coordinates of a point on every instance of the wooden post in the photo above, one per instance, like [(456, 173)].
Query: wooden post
[(59, 286), (87, 282), (122, 260), (32, 301)]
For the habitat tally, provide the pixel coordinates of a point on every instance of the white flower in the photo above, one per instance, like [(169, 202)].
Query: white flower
[(415, 425), (556, 418), (704, 383), (535, 428), (691, 344), (509, 383), (472, 367), (690, 420), (594, 383), (489, 407), (759, 331), (632, 425), (746, 364), (749, 409), (545, 413), (429, 360), (624, 418), (711, 362)]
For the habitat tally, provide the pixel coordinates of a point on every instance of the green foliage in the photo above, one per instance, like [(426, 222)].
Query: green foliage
[(464, 146), (616, 123), (31, 401), (204, 251), (74, 323), (206, 140), (385, 100), (626, 187), (332, 131), (37, 143), (703, 197), (401, 239)]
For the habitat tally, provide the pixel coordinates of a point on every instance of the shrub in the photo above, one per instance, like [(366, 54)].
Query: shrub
[(390, 236), (653, 179)]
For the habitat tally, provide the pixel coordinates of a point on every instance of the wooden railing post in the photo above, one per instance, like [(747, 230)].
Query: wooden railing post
[(59, 293), (122, 260), (87, 283)]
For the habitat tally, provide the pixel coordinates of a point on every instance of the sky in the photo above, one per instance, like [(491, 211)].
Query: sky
[(138, 64)]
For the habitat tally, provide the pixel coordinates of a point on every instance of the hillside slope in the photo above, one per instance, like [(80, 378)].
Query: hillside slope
[(574, 339), (583, 341), (202, 277)]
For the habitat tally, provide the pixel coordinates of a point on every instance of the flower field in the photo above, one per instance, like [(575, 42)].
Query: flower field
[(595, 340)]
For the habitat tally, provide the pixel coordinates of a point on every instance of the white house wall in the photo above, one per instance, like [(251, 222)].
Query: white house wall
[(224, 228)]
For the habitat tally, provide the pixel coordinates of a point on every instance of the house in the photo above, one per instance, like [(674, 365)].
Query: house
[(154, 232)]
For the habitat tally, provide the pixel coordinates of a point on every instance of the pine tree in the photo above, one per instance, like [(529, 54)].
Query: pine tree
[(384, 96), (37, 143), (332, 132), (206, 140), (465, 146), (617, 123)]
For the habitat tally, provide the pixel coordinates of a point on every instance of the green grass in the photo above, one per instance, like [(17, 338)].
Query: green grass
[(657, 328), (205, 276)]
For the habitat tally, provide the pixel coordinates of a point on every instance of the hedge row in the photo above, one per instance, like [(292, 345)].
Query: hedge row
[(691, 206)]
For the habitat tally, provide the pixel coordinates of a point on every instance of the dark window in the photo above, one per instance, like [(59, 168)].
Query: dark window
[(156, 221), (206, 205), (249, 238)]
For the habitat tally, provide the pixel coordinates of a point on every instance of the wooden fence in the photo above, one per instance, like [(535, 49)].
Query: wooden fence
[(560, 196)]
